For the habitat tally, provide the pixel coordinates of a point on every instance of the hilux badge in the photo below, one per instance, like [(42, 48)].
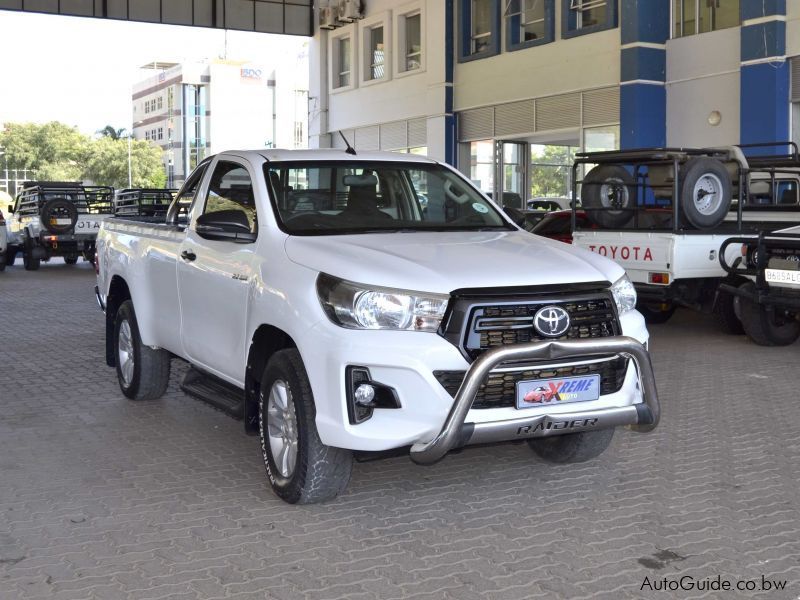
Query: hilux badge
[(551, 321)]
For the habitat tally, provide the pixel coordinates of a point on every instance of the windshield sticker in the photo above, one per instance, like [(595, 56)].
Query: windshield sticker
[(481, 208)]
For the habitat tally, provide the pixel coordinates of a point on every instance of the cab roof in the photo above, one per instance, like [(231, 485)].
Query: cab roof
[(281, 155)]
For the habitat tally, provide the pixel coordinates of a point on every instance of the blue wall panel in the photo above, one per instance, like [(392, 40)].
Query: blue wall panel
[(765, 104), (644, 116)]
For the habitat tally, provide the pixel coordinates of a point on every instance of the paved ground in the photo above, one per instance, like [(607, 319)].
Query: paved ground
[(104, 498)]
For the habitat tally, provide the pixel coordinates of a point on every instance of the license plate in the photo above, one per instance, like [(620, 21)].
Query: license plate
[(60, 222), (561, 390), (782, 277)]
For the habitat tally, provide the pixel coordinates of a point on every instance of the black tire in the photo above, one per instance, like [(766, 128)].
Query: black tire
[(60, 209), (606, 187), (572, 447), (11, 256), (725, 314), (767, 328), (149, 375), (3, 256), (31, 262), (71, 260), (320, 472), (655, 314), (700, 177)]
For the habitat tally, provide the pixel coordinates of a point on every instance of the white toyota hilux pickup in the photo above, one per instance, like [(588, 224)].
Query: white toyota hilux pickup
[(317, 298)]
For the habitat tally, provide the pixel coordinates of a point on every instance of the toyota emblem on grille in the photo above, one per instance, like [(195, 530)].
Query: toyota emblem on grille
[(551, 321)]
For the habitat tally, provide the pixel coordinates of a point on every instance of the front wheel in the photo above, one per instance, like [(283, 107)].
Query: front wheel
[(727, 313), (3, 260), (300, 468), (11, 256), (142, 372), (767, 327), (572, 447)]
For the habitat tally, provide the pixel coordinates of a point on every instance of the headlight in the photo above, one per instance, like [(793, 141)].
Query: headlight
[(624, 295), (356, 306)]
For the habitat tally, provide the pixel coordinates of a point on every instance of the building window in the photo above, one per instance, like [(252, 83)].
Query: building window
[(482, 160), (701, 16), (160, 102), (147, 107), (377, 53), (343, 62), (480, 28), (299, 134), (529, 23), (160, 133), (587, 16), (413, 42)]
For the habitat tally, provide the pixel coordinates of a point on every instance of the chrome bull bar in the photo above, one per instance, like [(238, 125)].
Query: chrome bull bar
[(455, 432)]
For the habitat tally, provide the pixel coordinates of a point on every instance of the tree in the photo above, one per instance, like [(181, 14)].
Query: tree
[(109, 132), (551, 169), (53, 151), (57, 152), (107, 163)]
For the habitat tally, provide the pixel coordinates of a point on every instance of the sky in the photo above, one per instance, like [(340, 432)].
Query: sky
[(82, 74)]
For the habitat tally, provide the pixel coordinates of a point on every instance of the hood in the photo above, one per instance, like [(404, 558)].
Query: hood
[(440, 262)]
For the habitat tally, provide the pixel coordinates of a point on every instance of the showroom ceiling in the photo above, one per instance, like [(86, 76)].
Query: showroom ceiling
[(293, 17)]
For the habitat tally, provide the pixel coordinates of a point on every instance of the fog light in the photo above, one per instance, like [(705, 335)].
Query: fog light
[(365, 394)]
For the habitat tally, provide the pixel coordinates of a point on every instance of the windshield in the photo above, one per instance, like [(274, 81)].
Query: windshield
[(326, 198)]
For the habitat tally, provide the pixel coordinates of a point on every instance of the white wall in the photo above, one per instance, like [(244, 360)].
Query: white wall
[(241, 107), (703, 76), (405, 96), (580, 63)]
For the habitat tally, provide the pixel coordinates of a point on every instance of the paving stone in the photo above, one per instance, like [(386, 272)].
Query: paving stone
[(102, 498)]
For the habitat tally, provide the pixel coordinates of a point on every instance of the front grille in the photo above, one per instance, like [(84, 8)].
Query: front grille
[(500, 388), (494, 325)]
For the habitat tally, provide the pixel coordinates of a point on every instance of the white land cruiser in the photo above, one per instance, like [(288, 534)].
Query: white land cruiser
[(664, 213), (55, 218), (318, 300)]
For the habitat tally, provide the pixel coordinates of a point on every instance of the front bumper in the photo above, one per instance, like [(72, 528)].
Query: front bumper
[(455, 432)]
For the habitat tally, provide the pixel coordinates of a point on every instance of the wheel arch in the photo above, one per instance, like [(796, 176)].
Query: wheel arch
[(118, 292), (266, 341)]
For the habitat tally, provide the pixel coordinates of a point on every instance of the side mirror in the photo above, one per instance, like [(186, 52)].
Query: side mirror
[(225, 226), (515, 215)]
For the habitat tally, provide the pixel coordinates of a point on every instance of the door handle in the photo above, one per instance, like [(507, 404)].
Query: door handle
[(188, 255)]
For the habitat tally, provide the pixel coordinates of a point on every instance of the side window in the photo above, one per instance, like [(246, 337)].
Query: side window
[(231, 189), (179, 211)]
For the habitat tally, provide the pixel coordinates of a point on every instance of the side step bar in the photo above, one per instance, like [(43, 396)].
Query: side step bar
[(219, 394)]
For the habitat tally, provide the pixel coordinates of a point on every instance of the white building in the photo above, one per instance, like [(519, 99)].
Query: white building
[(195, 109), (508, 90)]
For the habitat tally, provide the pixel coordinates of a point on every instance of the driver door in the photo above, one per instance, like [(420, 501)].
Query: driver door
[(215, 277)]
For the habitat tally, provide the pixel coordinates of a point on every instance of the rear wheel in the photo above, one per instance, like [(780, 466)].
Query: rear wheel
[(607, 194), (3, 261), (768, 327), (71, 260), (572, 447), (11, 256), (142, 372), (655, 314), (300, 468), (31, 262)]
